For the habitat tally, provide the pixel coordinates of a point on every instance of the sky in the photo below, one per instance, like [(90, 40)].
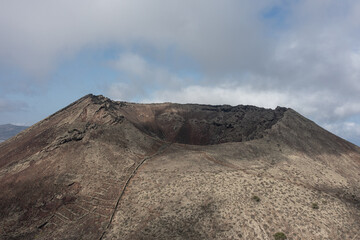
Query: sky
[(302, 54)]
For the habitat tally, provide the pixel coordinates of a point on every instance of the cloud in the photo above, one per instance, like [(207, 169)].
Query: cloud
[(347, 130), (133, 64), (38, 34), (122, 91), (347, 109), (137, 68), (12, 106), (318, 48), (303, 54), (221, 95), (309, 104), (141, 77)]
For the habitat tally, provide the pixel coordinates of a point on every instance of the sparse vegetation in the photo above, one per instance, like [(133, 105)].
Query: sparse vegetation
[(280, 236), (256, 198), (315, 206)]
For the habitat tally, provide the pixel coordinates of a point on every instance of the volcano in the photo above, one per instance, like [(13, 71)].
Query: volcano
[(103, 169)]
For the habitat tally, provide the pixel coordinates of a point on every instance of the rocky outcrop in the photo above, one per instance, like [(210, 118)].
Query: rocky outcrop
[(196, 124)]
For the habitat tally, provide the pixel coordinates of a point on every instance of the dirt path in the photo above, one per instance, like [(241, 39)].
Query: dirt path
[(160, 150)]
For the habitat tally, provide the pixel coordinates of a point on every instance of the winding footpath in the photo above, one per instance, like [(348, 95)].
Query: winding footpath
[(160, 151)]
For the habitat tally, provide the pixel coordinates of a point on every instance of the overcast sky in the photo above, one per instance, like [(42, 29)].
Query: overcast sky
[(302, 54)]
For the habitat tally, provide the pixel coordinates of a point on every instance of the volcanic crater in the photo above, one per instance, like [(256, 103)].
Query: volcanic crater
[(103, 169)]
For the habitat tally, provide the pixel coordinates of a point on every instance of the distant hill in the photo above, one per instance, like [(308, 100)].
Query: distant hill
[(9, 130)]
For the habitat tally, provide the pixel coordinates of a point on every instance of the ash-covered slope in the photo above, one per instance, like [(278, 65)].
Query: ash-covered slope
[(100, 169)]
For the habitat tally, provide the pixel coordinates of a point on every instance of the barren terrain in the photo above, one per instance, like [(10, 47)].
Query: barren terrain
[(100, 169)]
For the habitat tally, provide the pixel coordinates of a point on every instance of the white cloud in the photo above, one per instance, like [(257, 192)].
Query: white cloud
[(142, 71), (307, 59), (11, 106), (121, 91), (221, 95), (317, 48), (36, 34), (347, 130), (133, 64), (348, 109), (141, 76)]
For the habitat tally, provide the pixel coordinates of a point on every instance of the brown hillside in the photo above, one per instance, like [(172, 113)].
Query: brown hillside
[(100, 169)]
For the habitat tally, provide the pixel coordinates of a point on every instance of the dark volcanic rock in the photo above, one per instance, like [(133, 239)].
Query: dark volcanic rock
[(205, 124)]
